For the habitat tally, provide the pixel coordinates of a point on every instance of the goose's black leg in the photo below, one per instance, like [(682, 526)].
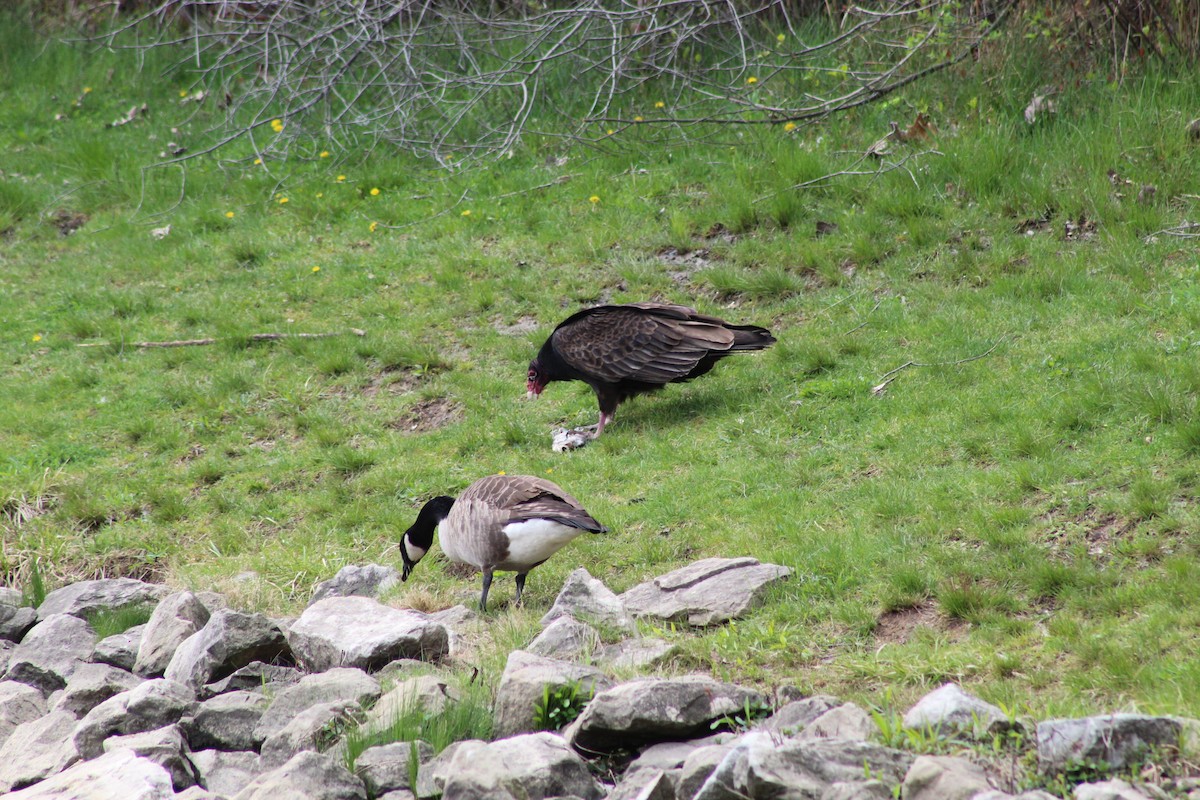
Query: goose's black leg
[(487, 584), (520, 587)]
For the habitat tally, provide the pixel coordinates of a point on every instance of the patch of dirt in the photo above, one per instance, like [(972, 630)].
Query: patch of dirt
[(68, 222), (688, 263), (429, 415), (522, 326), (1035, 225), (1080, 230), (896, 627), (456, 570), (719, 232), (1099, 529), (393, 382)]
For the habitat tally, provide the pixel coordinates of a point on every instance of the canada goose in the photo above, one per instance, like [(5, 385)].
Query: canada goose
[(505, 522), (626, 350)]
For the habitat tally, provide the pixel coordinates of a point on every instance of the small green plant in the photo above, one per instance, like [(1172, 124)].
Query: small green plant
[(560, 705), (35, 592), (751, 711), (111, 621)]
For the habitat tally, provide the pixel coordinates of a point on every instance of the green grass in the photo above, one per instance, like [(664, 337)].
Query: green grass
[(1022, 523)]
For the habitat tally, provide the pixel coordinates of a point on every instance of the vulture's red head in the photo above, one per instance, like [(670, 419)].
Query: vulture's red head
[(536, 381)]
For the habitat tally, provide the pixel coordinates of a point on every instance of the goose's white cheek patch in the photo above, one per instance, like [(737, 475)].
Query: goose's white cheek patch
[(536, 540), (415, 553)]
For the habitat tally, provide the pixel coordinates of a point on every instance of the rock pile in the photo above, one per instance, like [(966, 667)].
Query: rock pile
[(207, 702)]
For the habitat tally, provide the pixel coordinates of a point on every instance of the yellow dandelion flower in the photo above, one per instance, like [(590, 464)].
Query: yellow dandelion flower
[(550, 471), (791, 126), (183, 92), (501, 472), (282, 200), (594, 199), (467, 213), (316, 269), (277, 124), (257, 161), (374, 193), (87, 90), (324, 154), (780, 38), (752, 80), (37, 337), (228, 215), (320, 195), (610, 131), (341, 178), (637, 119), (660, 104), (373, 226)]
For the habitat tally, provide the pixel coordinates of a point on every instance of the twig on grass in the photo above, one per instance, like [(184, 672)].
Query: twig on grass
[(866, 319), (1188, 230), (254, 337), (890, 375)]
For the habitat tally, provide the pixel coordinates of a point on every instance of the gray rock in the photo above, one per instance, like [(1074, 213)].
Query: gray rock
[(225, 722), (254, 677), (150, 705), (655, 709), (707, 592), (455, 616), (799, 769), (91, 685), (524, 683), (950, 710), (644, 784), (429, 693), (228, 640), (121, 775), (6, 648), (565, 639), (173, 621), (10, 596), (586, 598), (361, 632), (15, 622), (107, 594), (857, 790), (528, 767), (51, 652), (311, 729), (847, 721), (19, 703), (226, 773), (1118, 740), (369, 580), (165, 747), (336, 685), (36, 749), (431, 779), (698, 767), (307, 776), (944, 778), (197, 793), (671, 755), (797, 715), (120, 649), (634, 653), (389, 768), (1108, 790)]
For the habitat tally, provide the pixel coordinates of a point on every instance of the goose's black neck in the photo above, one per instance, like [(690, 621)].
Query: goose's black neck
[(420, 533)]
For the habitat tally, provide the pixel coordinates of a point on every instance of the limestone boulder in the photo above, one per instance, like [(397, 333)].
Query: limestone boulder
[(106, 594), (586, 598), (368, 580), (796, 715), (51, 652), (949, 710), (361, 632), (944, 778), (226, 722), (149, 705), (37, 749), (15, 621), (657, 709), (92, 684), (164, 746), (226, 772), (708, 592), (312, 729), (634, 653), (532, 766), (119, 650), (524, 683), (229, 640), (1115, 789), (429, 694), (307, 776), (254, 677), (342, 684), (847, 721), (565, 639), (19, 703), (390, 767), (175, 619), (1118, 740), (120, 775)]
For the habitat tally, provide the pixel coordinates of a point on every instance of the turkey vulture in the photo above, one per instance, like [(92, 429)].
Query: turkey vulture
[(626, 350), (507, 522)]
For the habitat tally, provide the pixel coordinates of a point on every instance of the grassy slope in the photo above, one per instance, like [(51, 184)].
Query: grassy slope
[(1034, 507)]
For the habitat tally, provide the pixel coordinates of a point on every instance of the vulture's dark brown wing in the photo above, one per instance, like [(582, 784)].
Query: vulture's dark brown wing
[(644, 342), (513, 498)]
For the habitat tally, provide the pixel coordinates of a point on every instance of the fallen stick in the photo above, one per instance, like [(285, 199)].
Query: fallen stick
[(890, 375), (254, 337)]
